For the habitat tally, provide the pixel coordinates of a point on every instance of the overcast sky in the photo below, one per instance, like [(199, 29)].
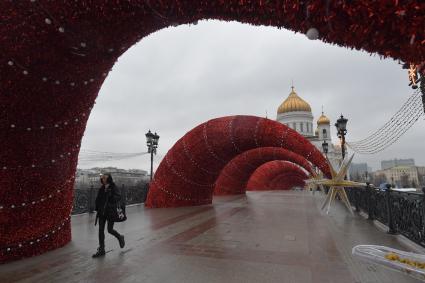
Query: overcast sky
[(180, 77)]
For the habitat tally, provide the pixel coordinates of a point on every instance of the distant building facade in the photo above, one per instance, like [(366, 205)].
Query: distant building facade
[(386, 164), (91, 177), (359, 171), (402, 176)]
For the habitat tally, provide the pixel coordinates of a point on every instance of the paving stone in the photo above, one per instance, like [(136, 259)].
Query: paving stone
[(260, 237)]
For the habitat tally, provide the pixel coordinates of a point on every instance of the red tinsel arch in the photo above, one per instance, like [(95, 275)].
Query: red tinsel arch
[(286, 181), (55, 56), (188, 172), (235, 175), (276, 175)]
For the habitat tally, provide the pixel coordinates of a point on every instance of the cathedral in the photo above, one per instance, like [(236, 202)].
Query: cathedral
[(296, 113)]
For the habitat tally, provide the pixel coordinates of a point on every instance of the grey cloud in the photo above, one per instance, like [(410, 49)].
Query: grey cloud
[(180, 77)]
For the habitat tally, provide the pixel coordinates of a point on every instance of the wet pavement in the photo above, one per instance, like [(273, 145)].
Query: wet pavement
[(279, 236)]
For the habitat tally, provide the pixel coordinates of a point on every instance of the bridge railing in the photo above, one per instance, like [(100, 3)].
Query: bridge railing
[(402, 212), (84, 198)]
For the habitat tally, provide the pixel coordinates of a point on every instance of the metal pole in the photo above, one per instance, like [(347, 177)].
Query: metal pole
[(422, 87), (423, 215), (369, 192), (357, 198), (91, 199), (151, 162), (391, 228), (124, 194), (343, 150)]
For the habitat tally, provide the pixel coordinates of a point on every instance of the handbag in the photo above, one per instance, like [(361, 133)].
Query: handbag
[(116, 213)]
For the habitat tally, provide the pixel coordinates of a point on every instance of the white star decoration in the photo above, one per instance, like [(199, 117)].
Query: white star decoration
[(337, 184)]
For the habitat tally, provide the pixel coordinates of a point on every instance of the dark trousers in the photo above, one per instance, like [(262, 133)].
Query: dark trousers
[(102, 222)]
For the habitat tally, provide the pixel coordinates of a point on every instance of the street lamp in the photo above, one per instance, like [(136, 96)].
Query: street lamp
[(152, 143), (341, 126), (325, 147)]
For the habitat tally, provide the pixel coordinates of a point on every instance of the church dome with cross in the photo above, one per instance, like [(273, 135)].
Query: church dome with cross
[(296, 113), (293, 103)]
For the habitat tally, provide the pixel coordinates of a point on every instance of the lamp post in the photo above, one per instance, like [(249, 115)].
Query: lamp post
[(152, 143), (341, 126), (325, 147)]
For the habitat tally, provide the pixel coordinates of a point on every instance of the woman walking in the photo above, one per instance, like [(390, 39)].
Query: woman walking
[(106, 201)]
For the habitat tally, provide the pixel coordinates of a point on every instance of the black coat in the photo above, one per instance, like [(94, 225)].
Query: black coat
[(107, 198)]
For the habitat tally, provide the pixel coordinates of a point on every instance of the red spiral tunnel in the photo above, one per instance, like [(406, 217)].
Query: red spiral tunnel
[(277, 175)]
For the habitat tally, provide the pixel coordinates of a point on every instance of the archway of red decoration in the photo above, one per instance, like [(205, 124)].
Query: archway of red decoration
[(286, 182), (276, 175), (235, 175), (55, 57), (188, 172)]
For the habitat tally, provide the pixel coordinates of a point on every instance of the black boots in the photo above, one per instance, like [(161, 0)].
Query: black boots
[(122, 242), (100, 252)]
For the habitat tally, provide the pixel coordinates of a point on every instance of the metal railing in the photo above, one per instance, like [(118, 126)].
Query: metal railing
[(84, 199), (402, 212)]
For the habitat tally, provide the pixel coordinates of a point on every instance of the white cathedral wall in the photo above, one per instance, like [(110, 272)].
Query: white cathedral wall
[(294, 121), (301, 121), (327, 128)]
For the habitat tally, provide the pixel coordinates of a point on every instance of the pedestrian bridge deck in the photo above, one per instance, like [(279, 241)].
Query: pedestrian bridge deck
[(261, 237)]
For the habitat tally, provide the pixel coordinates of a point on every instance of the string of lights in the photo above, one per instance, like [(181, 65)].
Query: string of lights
[(180, 175), (402, 126), (80, 47), (26, 71), (36, 240), (29, 203), (400, 123), (398, 119), (54, 161), (57, 125), (387, 139), (400, 115), (404, 112), (375, 148), (99, 156)]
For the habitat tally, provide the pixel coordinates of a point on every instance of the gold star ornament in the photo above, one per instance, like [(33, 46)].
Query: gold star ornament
[(337, 184)]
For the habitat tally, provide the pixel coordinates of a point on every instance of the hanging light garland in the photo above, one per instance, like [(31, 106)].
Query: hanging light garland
[(54, 191), (391, 132), (87, 156), (48, 163), (36, 240)]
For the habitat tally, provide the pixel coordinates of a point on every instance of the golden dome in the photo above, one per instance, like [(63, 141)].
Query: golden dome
[(323, 120), (293, 103)]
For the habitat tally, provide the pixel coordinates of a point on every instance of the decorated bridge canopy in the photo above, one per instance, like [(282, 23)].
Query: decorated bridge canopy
[(277, 175), (188, 173), (55, 56), (235, 175)]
